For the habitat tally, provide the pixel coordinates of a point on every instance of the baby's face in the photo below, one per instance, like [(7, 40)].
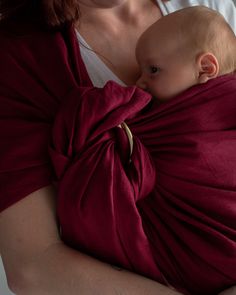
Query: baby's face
[(167, 68)]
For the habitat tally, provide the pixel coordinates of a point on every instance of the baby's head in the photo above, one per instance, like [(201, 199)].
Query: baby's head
[(185, 48)]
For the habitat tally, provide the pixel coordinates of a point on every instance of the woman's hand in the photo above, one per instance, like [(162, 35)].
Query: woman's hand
[(230, 291)]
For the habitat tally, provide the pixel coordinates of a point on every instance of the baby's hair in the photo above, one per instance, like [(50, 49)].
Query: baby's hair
[(208, 31)]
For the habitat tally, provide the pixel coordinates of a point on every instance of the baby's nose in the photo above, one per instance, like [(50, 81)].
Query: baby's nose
[(141, 83)]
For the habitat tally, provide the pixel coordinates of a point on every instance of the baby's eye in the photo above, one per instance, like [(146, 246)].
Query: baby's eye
[(154, 69)]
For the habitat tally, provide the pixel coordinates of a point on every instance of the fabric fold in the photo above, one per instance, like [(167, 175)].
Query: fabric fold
[(170, 214)]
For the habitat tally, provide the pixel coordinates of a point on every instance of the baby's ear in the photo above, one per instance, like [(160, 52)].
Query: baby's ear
[(208, 67)]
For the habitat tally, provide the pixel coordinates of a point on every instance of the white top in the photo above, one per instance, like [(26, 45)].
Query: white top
[(98, 71)]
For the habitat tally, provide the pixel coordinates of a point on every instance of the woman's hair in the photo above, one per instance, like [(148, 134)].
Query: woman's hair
[(52, 13)]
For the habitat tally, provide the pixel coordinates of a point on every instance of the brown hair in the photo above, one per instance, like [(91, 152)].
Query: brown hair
[(52, 13)]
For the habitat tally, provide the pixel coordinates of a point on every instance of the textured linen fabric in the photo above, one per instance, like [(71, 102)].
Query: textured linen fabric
[(178, 194), (38, 69)]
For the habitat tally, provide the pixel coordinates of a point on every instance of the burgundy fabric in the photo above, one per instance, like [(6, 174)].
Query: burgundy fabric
[(190, 217), (181, 201), (183, 160), (98, 188), (37, 70)]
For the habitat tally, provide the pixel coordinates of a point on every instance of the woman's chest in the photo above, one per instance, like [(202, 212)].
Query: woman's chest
[(120, 58), (115, 43)]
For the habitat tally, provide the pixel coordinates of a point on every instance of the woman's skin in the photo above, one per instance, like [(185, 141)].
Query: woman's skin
[(38, 263), (117, 31), (35, 259), (231, 291)]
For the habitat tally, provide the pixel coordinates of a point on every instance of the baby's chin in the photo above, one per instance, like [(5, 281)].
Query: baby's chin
[(162, 98)]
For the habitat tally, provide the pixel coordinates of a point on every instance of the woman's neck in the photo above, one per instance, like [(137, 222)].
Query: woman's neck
[(113, 33), (129, 12)]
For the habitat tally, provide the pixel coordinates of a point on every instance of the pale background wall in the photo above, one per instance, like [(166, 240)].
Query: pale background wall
[(3, 286)]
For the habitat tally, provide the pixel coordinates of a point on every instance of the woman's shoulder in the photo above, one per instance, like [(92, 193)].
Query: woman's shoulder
[(21, 44), (22, 39), (35, 59), (35, 76)]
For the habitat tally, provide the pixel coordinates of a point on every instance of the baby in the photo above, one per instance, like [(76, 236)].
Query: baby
[(185, 48)]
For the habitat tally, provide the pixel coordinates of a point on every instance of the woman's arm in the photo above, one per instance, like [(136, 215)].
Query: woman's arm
[(37, 262), (231, 291)]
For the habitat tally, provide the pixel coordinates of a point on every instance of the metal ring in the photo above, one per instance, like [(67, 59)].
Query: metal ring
[(129, 134)]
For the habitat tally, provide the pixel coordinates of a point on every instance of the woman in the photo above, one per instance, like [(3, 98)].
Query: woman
[(43, 264)]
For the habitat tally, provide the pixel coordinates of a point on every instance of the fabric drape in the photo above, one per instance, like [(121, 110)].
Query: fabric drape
[(177, 196)]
